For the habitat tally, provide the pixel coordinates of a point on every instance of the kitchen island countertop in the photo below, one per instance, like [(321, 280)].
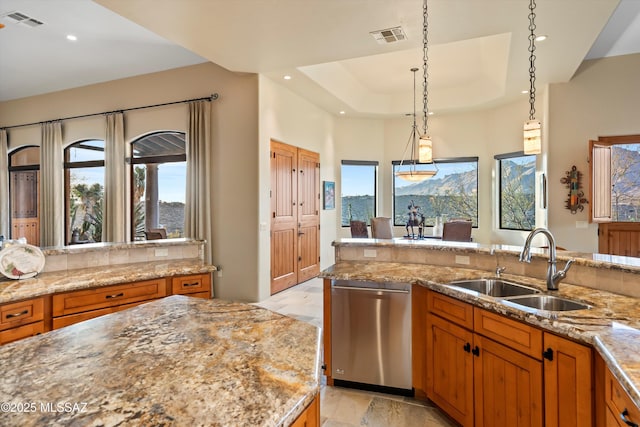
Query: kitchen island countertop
[(175, 361)]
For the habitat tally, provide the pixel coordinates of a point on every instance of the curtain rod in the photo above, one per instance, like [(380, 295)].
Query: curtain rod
[(211, 97)]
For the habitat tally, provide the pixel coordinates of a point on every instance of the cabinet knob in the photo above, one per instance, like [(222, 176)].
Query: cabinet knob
[(548, 354), (476, 351), (623, 417), (467, 348)]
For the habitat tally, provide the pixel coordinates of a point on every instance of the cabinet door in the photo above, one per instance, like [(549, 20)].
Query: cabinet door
[(508, 386), (450, 370), (568, 383)]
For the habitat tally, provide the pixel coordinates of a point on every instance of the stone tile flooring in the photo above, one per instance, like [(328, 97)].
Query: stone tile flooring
[(344, 407)]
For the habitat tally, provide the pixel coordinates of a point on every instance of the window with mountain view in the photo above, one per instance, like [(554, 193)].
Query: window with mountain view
[(84, 190), (358, 190), (517, 192), (451, 193)]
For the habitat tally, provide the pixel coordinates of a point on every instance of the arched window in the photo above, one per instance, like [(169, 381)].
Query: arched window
[(159, 171), (24, 189), (84, 191)]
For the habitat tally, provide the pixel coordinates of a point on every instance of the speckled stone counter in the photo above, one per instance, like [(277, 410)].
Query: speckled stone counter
[(177, 361), (612, 326), (86, 278)]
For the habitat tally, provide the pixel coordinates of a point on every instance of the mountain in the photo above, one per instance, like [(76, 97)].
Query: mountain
[(449, 184)]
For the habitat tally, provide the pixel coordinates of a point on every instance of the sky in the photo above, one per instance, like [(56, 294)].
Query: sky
[(172, 182)]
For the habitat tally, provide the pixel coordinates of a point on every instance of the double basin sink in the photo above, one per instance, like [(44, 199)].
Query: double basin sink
[(519, 296)]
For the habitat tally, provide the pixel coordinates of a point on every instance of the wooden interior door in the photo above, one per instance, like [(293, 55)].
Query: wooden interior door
[(25, 206), (295, 215), (284, 216), (308, 215), (619, 238)]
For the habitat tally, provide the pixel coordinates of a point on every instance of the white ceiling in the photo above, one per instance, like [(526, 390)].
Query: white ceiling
[(477, 58)]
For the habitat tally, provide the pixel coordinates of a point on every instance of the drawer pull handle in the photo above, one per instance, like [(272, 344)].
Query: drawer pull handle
[(12, 315), (121, 294), (623, 417), (191, 284)]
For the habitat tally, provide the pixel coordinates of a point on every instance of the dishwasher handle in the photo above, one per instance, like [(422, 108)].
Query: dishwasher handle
[(353, 288)]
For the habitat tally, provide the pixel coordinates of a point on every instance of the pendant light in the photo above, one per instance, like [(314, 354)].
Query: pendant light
[(532, 128), (423, 148)]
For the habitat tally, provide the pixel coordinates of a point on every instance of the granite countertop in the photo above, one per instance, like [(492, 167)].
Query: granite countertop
[(175, 361), (86, 278), (612, 326)]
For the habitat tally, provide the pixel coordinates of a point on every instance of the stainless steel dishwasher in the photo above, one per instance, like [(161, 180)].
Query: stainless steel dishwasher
[(371, 335)]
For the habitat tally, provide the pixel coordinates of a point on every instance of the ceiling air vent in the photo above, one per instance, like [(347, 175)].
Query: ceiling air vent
[(21, 18), (389, 35)]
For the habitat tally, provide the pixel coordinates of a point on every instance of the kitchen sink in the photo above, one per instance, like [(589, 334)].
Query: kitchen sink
[(494, 287), (547, 302)]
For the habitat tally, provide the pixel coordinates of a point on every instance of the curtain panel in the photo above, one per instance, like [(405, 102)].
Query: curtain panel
[(4, 185), (52, 186), (115, 203), (198, 206)]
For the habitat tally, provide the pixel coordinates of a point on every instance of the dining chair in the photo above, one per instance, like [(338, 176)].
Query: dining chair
[(381, 228), (156, 233), (457, 231), (359, 229)]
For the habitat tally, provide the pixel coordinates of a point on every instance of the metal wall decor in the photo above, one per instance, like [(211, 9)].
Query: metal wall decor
[(575, 198)]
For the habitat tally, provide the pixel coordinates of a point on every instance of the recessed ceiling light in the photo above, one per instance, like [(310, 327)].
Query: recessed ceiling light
[(524, 91), (342, 113), (287, 77), (541, 38), (71, 37), (430, 113)]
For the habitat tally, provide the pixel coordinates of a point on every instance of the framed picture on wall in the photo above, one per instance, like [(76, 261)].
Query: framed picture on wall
[(329, 195)]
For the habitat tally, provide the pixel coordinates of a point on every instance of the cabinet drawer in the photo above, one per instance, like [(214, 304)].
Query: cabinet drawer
[(70, 319), (21, 313), (191, 284), (21, 332), (451, 309), (511, 333), (619, 401), (110, 296)]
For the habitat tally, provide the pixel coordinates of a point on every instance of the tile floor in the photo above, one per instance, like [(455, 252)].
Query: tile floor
[(343, 407)]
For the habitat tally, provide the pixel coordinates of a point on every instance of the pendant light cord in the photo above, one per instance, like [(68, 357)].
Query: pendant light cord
[(532, 60), (425, 68)]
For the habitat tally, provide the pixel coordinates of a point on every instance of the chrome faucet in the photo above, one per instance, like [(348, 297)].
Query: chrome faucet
[(553, 276)]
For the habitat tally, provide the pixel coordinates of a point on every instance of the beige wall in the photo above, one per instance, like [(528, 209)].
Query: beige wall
[(235, 135), (600, 100)]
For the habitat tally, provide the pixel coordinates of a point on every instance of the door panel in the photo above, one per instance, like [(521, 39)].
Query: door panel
[(308, 214), (450, 374), (568, 386), (508, 386), (284, 248)]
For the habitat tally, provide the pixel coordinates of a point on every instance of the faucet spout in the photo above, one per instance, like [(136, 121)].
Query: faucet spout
[(553, 276)]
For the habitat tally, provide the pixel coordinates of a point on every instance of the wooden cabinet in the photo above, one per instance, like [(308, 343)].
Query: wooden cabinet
[(195, 285), (311, 415), (507, 386), (21, 319), (620, 409), (450, 370), (91, 303), (485, 369), (568, 383)]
